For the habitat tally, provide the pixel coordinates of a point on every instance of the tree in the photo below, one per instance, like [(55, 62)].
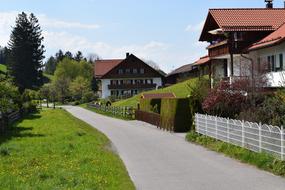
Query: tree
[(79, 87), (94, 85), (61, 85), (152, 64), (9, 97), (79, 56), (59, 56), (71, 69), (27, 52), (50, 65), (45, 92), (92, 57), (68, 54)]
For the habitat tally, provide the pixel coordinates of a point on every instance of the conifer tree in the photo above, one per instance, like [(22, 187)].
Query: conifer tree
[(26, 52)]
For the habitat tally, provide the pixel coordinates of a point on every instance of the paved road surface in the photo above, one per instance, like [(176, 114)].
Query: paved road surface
[(158, 160)]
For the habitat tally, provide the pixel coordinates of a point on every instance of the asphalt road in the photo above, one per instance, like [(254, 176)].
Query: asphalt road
[(158, 160)]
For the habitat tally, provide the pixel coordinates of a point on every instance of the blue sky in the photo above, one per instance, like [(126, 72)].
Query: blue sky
[(166, 32)]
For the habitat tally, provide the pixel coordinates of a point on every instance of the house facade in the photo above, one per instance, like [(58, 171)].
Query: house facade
[(232, 32), (180, 74), (125, 77), (269, 53)]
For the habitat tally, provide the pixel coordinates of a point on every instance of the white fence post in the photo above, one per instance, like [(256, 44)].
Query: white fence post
[(206, 124), (282, 143), (242, 133), (228, 130), (260, 137), (196, 123), (216, 127)]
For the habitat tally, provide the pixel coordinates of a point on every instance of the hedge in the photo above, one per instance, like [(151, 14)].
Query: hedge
[(176, 115), (150, 105)]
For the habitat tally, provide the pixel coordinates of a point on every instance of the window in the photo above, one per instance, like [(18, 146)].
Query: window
[(279, 66), (135, 71), (120, 71), (271, 63), (142, 71), (128, 71)]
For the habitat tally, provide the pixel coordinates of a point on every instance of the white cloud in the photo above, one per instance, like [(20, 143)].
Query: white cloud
[(7, 20), (166, 55), (54, 23), (195, 28)]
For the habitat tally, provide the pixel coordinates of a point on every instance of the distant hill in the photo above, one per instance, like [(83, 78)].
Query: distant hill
[(181, 90)]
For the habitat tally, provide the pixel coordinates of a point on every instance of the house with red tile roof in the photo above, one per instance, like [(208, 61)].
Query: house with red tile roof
[(270, 52), (125, 77), (235, 36)]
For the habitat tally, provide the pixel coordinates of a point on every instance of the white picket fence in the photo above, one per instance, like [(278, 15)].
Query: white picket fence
[(252, 136)]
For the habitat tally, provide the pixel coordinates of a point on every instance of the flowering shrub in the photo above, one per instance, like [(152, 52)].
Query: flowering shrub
[(226, 100)]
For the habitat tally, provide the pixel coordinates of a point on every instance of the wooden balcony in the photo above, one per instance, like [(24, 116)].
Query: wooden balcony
[(221, 48), (131, 86)]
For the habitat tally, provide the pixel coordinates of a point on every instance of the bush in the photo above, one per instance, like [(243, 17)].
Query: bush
[(226, 100), (176, 114), (270, 111), (88, 96), (29, 107)]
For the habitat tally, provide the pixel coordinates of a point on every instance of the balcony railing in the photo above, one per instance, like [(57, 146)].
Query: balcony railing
[(131, 86)]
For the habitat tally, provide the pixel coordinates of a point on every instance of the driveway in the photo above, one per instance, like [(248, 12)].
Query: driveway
[(158, 160)]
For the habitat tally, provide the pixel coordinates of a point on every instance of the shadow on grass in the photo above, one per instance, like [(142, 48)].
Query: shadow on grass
[(15, 130)]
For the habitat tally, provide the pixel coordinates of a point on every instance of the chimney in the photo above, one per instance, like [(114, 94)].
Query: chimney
[(127, 54), (269, 4)]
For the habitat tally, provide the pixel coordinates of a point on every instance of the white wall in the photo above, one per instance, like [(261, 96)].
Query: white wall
[(105, 82), (157, 81), (105, 90), (275, 79)]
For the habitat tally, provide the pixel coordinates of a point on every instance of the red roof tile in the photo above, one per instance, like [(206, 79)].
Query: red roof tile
[(102, 67), (270, 40), (158, 95), (202, 60), (248, 19)]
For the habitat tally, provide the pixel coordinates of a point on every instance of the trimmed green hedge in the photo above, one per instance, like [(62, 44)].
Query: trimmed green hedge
[(150, 105), (176, 115)]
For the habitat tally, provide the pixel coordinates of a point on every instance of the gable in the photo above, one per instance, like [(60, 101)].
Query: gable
[(250, 19), (129, 66)]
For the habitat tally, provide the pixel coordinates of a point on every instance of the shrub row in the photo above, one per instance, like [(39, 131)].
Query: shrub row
[(175, 113)]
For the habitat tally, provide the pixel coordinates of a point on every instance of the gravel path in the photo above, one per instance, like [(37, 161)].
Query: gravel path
[(158, 160)]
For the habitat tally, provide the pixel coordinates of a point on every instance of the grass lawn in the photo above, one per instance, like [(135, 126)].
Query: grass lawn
[(54, 150), (3, 68), (260, 160), (181, 90)]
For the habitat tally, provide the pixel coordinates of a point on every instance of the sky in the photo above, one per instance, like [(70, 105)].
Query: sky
[(164, 31)]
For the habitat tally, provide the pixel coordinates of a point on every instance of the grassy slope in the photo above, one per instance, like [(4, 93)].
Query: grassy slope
[(3, 68), (53, 150), (181, 90)]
